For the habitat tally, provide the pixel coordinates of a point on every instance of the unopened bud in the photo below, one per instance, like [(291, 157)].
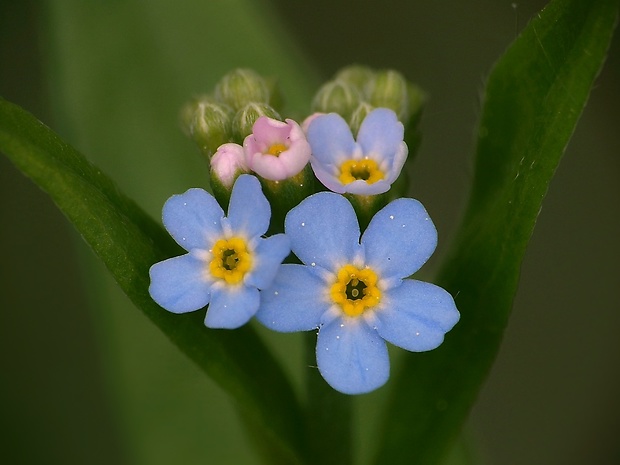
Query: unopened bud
[(207, 123), (245, 118), (356, 75), (337, 96), (240, 87), (227, 165), (388, 89), (359, 114)]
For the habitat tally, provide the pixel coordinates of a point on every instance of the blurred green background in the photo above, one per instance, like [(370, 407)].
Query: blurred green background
[(86, 379)]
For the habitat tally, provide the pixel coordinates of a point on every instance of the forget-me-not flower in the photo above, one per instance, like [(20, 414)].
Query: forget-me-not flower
[(367, 166), (276, 150), (227, 261), (354, 290)]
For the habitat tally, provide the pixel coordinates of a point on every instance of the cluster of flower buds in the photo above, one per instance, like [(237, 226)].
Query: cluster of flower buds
[(325, 191)]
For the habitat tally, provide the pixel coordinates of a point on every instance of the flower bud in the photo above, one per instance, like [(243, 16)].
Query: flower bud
[(338, 97), (245, 118), (240, 87), (227, 164), (207, 123), (388, 89), (355, 75), (359, 114)]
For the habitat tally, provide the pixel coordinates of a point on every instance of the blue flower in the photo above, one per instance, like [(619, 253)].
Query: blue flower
[(366, 167), (354, 290), (228, 260)]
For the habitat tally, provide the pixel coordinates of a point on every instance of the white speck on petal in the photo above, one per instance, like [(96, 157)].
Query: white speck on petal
[(391, 217), (312, 264), (417, 333), (403, 225), (337, 337), (303, 224), (276, 293), (183, 239), (341, 325), (184, 204)]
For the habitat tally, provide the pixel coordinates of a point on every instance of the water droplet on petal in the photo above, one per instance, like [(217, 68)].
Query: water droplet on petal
[(184, 204), (313, 264), (391, 217), (303, 224), (276, 292), (337, 337)]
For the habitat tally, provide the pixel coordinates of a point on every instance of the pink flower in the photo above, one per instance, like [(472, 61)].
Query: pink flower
[(228, 162), (276, 150)]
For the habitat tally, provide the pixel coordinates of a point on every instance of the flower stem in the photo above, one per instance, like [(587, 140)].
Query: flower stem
[(328, 416)]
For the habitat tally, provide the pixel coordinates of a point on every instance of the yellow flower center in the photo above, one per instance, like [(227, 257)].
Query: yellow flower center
[(366, 170), (276, 149), (231, 260), (355, 290)]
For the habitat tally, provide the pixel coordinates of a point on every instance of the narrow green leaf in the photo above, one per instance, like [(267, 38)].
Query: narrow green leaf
[(534, 97), (129, 242)]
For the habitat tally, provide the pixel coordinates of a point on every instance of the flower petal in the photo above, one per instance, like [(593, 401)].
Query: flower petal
[(324, 231), (399, 239), (325, 174), (416, 316), (397, 163), (381, 134), (330, 138), (193, 219), (231, 306), (352, 357), (360, 187), (180, 284), (294, 301), (249, 211), (268, 256)]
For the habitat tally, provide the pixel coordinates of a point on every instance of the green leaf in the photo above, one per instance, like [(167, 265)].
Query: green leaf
[(120, 71), (129, 242), (534, 97)]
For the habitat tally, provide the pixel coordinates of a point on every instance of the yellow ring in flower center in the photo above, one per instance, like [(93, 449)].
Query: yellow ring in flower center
[(277, 149), (231, 260), (366, 170), (355, 290)]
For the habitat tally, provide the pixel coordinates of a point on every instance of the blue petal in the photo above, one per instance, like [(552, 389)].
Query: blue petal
[(324, 231), (180, 284), (352, 357), (416, 316), (231, 306), (268, 256), (399, 239), (193, 219), (330, 139), (360, 187), (294, 301), (248, 211), (381, 133)]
